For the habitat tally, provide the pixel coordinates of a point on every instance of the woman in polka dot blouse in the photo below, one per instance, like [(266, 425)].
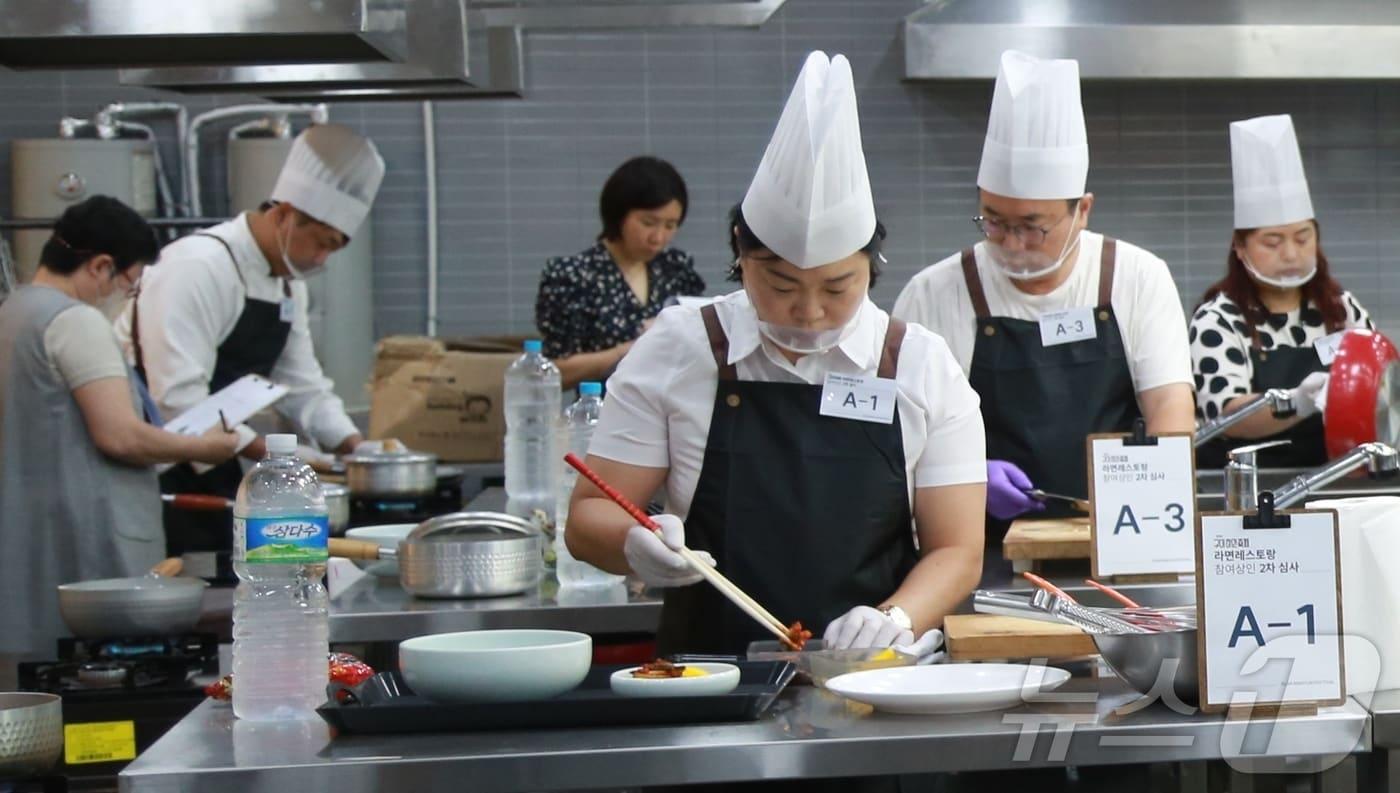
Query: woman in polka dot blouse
[(1257, 327), (591, 306)]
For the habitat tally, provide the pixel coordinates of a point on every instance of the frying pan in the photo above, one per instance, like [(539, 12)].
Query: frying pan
[(1363, 393), (157, 604)]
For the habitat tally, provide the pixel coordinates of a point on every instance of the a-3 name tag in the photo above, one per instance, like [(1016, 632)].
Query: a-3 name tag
[(1070, 325), (287, 309), (858, 397)]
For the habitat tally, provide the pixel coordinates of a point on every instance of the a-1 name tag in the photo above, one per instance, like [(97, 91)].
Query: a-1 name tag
[(287, 309), (1327, 347), (858, 397), (1070, 325)]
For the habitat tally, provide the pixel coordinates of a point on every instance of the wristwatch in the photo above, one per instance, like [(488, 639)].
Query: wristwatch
[(897, 616)]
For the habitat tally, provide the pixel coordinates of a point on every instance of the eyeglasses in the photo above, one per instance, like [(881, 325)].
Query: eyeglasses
[(1030, 236), (128, 282)]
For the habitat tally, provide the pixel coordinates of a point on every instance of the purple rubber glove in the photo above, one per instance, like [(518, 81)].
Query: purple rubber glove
[(1006, 491)]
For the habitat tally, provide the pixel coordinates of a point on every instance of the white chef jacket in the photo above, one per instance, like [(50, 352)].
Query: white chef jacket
[(660, 400), (191, 300), (1145, 303)]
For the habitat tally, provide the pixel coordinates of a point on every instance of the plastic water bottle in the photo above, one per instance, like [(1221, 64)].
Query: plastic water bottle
[(579, 420), (533, 399), (280, 527)]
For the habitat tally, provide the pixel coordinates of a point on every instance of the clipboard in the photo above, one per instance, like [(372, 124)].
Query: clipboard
[(1226, 541), (1165, 548), (238, 402)]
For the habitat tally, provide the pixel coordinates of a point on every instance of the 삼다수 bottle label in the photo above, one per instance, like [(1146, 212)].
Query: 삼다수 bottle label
[(283, 540)]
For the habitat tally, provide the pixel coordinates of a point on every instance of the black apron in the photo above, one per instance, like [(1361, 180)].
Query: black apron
[(252, 347), (807, 513), (1281, 367), (1038, 402)]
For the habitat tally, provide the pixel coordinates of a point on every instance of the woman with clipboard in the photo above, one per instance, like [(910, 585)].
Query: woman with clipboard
[(77, 488)]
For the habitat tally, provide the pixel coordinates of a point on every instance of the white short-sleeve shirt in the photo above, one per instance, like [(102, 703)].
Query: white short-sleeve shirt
[(1145, 302), (661, 398)]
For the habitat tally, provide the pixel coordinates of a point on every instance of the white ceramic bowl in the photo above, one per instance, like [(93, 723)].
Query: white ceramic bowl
[(386, 536), (495, 666), (722, 679)]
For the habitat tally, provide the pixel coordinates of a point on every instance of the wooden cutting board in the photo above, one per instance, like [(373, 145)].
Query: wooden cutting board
[(987, 637), (1050, 538)]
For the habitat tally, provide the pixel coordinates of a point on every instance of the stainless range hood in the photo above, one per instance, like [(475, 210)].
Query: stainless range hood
[(1152, 39), (49, 34), (436, 66)]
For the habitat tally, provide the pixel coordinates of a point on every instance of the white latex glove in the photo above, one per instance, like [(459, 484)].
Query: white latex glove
[(1310, 396), (864, 626), (655, 559), (928, 649)]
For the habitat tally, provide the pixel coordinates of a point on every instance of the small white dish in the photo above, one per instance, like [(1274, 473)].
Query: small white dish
[(719, 679), (948, 688), (385, 536)]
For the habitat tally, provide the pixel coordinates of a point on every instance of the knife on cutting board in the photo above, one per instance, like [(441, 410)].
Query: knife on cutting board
[(1080, 504)]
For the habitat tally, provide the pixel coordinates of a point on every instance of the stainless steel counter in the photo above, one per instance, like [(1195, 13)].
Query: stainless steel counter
[(808, 734), (379, 610)]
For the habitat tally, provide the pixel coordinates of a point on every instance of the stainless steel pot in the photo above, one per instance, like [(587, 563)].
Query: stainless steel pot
[(337, 506), (140, 606), (391, 474), (470, 554), (31, 733)]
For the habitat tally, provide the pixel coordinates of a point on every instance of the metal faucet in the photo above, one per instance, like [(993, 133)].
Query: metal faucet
[(1278, 400), (1242, 474)]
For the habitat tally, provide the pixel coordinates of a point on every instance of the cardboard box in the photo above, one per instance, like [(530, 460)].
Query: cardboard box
[(443, 396)]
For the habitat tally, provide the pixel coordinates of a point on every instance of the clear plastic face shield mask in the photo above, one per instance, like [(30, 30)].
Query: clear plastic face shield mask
[(1293, 276), (1028, 265), (806, 341)]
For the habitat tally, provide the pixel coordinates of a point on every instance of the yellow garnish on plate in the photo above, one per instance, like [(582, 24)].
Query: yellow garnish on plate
[(884, 655), (694, 671)]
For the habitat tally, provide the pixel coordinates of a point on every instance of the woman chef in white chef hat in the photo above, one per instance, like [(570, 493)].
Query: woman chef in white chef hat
[(828, 458)]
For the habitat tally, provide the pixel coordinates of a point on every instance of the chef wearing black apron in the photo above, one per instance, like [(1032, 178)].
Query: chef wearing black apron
[(829, 459), (228, 302), (1271, 322), (1063, 332)]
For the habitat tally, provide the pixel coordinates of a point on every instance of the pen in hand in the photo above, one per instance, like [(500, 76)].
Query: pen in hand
[(223, 422)]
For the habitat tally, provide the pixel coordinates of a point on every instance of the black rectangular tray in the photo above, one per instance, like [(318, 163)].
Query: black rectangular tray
[(592, 704)]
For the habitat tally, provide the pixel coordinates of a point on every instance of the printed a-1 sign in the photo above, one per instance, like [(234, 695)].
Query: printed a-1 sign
[(1144, 505)]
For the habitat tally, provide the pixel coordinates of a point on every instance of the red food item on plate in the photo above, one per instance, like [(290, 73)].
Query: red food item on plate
[(660, 669)]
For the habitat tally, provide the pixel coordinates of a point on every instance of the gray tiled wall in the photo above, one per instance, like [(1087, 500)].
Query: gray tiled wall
[(519, 179)]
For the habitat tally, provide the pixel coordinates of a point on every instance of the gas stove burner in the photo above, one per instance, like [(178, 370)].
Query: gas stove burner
[(189, 646), (101, 674)]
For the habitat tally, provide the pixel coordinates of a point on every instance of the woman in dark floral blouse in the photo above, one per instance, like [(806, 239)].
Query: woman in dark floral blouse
[(593, 304)]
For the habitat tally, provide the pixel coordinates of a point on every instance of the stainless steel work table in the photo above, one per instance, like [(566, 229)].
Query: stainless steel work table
[(379, 610), (807, 734)]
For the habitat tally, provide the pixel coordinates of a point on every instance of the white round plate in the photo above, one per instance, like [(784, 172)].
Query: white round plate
[(722, 679), (948, 688)]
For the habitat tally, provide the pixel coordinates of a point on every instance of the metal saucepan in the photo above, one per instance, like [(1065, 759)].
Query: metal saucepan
[(158, 604), (337, 504), (461, 555), (1363, 393), (391, 473), (31, 733)]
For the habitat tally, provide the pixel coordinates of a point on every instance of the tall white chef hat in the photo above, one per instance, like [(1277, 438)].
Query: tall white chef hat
[(1036, 145), (332, 174), (1270, 186), (810, 199)]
